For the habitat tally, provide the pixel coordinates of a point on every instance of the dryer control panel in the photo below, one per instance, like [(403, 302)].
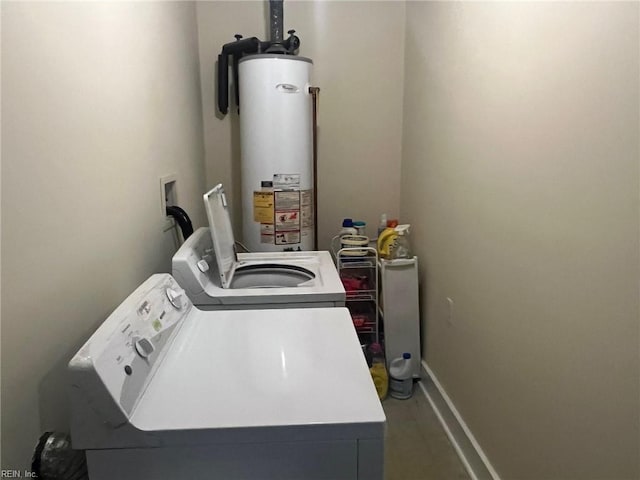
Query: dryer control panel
[(122, 355)]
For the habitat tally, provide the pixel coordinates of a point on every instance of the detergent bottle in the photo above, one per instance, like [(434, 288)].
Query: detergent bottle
[(348, 228), (379, 370), (361, 227), (386, 239), (401, 383)]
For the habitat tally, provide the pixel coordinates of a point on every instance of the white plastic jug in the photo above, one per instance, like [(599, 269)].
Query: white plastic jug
[(401, 378)]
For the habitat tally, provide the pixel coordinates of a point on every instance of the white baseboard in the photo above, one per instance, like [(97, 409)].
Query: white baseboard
[(466, 446)]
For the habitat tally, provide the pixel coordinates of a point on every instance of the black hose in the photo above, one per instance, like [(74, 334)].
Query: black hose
[(223, 83), (182, 219)]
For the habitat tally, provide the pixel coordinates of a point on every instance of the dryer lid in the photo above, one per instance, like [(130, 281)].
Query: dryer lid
[(215, 202)]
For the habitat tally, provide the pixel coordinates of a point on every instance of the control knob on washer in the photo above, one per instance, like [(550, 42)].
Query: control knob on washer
[(144, 347), (203, 266), (176, 297)]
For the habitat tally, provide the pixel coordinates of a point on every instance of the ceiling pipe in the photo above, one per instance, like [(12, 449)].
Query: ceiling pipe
[(276, 23)]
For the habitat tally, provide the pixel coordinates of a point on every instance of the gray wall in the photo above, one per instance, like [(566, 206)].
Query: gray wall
[(357, 50), (520, 176), (99, 100)]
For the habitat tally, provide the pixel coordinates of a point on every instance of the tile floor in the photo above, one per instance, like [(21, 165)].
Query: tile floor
[(417, 448)]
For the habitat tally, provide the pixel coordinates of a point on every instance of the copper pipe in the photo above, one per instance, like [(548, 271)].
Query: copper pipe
[(315, 91)]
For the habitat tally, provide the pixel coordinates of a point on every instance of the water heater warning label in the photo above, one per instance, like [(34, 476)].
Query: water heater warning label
[(306, 208), (286, 221), (286, 181), (267, 232), (287, 238), (287, 200), (263, 207), (285, 216)]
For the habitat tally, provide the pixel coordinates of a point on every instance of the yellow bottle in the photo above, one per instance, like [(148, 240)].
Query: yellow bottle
[(379, 370), (380, 378), (385, 241)]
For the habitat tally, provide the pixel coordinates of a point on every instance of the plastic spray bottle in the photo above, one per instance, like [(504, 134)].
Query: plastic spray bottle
[(402, 247), (383, 223)]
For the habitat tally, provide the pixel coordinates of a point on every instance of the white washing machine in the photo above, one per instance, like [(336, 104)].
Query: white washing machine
[(165, 391), (215, 276)]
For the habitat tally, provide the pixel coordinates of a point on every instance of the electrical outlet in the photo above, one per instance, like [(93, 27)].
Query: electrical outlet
[(450, 310), (168, 197), (168, 192)]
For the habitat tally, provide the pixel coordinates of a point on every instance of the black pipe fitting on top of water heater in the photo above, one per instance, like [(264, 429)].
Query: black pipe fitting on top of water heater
[(236, 50), (253, 45)]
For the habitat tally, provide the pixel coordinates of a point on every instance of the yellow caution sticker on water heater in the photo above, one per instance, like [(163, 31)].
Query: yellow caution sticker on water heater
[(263, 207)]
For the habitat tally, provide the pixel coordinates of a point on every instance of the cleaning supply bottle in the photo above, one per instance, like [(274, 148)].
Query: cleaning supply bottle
[(385, 241), (401, 247), (361, 227), (348, 228), (379, 370), (401, 381), (383, 223)]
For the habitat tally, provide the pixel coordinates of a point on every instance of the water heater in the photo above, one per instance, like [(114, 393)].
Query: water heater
[(276, 106), (276, 144)]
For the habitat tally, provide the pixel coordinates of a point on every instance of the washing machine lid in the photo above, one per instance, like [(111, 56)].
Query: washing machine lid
[(235, 274), (224, 244)]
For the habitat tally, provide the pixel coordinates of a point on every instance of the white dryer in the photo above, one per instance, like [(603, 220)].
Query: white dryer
[(215, 276), (165, 391)]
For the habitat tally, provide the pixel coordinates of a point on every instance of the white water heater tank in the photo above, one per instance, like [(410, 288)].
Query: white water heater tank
[(276, 143)]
